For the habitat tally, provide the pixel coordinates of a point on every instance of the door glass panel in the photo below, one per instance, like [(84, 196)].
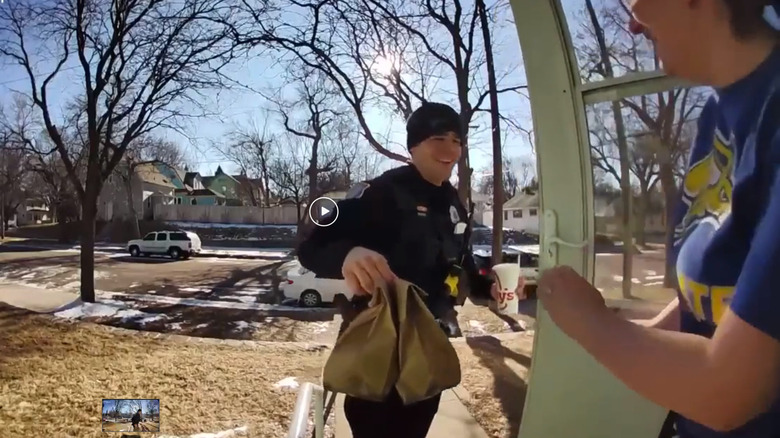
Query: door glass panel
[(648, 138), (626, 53)]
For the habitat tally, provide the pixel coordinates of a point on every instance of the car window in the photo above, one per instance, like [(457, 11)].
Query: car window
[(162, 237), (179, 236), (529, 260), (150, 236), (510, 258)]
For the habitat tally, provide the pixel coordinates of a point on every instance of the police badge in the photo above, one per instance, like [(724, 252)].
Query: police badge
[(454, 216)]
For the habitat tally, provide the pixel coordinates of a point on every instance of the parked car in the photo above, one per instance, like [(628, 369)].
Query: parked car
[(176, 244), (526, 255), (310, 291)]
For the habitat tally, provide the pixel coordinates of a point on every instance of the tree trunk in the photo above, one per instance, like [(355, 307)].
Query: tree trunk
[(136, 228), (669, 187), (266, 181), (498, 165), (312, 171), (88, 215), (464, 174), (641, 215), (625, 195), (2, 217)]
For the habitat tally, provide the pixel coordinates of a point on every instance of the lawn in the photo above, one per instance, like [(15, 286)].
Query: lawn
[(54, 374)]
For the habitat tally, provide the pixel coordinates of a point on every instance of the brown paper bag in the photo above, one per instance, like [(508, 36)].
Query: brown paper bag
[(364, 361), (428, 362)]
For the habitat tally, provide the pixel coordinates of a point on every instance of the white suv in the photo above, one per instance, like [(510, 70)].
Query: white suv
[(176, 244), (310, 291)]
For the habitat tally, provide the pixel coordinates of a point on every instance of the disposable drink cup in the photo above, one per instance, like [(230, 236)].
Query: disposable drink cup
[(507, 276)]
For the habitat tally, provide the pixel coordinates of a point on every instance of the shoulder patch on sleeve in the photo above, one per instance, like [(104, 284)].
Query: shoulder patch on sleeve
[(357, 190)]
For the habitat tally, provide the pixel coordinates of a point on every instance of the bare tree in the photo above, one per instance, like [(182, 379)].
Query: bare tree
[(664, 116), (604, 66), (509, 185), (525, 172), (139, 62), (14, 180), (249, 147), (357, 162), (359, 45), (287, 172), (313, 117)]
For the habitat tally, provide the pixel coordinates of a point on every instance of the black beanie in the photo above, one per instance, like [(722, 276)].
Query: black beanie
[(429, 120)]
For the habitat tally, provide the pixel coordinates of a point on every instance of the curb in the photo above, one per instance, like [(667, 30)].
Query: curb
[(114, 250)]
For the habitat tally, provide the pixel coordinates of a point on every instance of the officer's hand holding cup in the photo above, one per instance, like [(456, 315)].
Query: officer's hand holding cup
[(504, 290), (365, 270)]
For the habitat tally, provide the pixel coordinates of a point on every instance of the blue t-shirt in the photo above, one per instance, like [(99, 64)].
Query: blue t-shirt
[(727, 234)]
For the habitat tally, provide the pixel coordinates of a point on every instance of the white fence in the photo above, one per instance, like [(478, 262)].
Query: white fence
[(278, 215)]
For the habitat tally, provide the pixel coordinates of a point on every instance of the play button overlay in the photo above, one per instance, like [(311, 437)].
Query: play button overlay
[(323, 212)]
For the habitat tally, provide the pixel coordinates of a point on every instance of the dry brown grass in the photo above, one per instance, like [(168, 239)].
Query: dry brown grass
[(494, 374), (54, 374)]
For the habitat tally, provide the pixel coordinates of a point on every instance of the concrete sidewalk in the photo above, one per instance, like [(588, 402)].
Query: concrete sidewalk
[(452, 420), (36, 299)]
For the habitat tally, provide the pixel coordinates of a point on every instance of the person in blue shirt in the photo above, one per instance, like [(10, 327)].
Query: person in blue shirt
[(713, 356)]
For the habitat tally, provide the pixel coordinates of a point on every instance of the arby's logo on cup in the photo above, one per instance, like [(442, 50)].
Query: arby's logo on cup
[(504, 297), (506, 276)]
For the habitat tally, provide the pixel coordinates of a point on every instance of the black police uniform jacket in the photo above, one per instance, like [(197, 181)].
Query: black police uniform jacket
[(411, 222)]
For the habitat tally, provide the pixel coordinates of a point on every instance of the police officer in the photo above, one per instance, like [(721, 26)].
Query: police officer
[(408, 223)]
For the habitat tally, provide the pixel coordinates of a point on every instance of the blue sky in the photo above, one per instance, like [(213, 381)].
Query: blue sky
[(241, 107)]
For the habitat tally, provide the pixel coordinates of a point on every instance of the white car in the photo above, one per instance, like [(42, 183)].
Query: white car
[(526, 255), (310, 291), (176, 244)]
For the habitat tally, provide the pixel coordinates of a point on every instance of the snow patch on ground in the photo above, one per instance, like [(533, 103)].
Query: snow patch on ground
[(241, 298), (320, 327), (230, 433), (478, 326), (279, 253), (262, 289), (200, 326), (208, 303), (175, 326), (213, 225), (243, 325), (110, 309), (287, 383)]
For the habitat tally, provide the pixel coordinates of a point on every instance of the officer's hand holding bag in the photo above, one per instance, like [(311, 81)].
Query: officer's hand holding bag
[(364, 361), (395, 342), (365, 270)]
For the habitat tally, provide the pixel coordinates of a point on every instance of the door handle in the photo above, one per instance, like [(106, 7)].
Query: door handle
[(553, 241)]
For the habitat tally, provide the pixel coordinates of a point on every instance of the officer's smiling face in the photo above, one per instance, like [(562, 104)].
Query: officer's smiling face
[(437, 156)]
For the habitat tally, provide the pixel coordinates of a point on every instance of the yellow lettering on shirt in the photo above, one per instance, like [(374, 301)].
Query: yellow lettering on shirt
[(717, 299)]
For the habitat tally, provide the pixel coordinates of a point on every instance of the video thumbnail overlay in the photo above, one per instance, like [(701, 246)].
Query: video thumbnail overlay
[(131, 415)]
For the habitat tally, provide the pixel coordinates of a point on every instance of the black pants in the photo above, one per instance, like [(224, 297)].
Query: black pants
[(390, 418)]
